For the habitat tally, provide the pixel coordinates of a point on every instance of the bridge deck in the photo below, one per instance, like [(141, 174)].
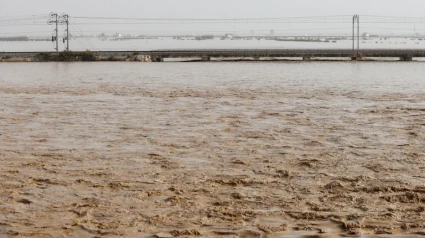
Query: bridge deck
[(226, 53), (288, 53)]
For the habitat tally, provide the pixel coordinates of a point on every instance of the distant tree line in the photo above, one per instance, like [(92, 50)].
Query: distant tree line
[(14, 38)]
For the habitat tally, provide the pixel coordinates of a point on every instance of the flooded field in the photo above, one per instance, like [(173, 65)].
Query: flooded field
[(309, 149), (166, 43)]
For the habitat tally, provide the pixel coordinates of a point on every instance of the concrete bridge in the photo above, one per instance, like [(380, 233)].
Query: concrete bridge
[(306, 54), (257, 54)]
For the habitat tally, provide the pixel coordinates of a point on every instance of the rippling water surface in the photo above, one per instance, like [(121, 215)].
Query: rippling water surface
[(367, 76), (215, 149)]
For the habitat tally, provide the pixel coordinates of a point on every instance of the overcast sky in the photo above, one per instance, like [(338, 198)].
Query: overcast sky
[(208, 9), (213, 8)]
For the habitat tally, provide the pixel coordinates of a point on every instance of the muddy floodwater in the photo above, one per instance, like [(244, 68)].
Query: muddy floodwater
[(277, 149)]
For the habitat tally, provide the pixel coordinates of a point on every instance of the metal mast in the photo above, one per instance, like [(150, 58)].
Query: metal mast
[(358, 34), (54, 20), (65, 20), (354, 37), (356, 19)]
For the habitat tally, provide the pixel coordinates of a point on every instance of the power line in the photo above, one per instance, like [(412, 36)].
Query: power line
[(205, 19), (367, 19), (20, 16), (224, 31), (400, 17), (23, 18), (312, 19), (27, 32), (85, 38), (24, 24)]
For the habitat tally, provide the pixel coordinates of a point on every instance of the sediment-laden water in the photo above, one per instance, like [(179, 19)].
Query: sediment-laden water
[(310, 149)]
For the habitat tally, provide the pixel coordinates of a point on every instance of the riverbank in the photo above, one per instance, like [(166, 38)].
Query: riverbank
[(69, 56)]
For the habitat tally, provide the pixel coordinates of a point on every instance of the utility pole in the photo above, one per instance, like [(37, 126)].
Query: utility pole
[(65, 20), (358, 34), (354, 23), (54, 20), (356, 19)]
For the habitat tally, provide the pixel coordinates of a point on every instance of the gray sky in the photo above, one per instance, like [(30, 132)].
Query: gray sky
[(209, 9), (213, 9)]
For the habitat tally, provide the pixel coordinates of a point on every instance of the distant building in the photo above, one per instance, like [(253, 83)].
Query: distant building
[(228, 36), (205, 37), (118, 35)]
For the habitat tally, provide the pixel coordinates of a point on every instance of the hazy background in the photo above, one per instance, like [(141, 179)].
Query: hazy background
[(343, 10), (210, 9), (213, 9)]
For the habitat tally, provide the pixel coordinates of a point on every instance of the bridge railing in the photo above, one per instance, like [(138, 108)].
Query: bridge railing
[(288, 53)]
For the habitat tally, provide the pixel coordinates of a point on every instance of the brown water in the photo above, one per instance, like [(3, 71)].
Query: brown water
[(212, 149)]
